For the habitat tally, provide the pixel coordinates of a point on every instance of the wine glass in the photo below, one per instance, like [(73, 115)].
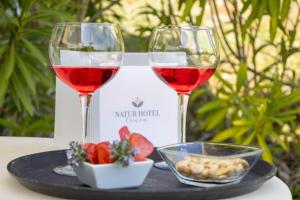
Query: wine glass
[(184, 57), (85, 56)]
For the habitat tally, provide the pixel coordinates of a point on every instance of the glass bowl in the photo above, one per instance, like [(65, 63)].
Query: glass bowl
[(209, 164)]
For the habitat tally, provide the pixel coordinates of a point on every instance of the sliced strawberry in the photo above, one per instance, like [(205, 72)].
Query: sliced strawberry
[(124, 133), (143, 146), (103, 152), (91, 152)]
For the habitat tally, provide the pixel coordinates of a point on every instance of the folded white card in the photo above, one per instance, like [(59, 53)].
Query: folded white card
[(135, 97)]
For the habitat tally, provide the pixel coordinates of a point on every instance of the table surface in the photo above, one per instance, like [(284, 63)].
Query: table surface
[(13, 147)]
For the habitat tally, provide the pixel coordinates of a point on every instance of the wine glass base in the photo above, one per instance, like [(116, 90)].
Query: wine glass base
[(161, 165), (65, 170)]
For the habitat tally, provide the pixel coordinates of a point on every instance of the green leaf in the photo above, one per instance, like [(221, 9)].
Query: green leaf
[(267, 155), (229, 133), (247, 4), (261, 9), (249, 139), (20, 89), (2, 49), (9, 65), (214, 119), (238, 137), (43, 125), (276, 90), (43, 77), (286, 5), (16, 101), (242, 76), (287, 118), (243, 130), (298, 148), (210, 106), (26, 5), (48, 14), (276, 120), (180, 3), (225, 83), (35, 51), (288, 113), (197, 93), (286, 101), (249, 21), (200, 16), (202, 3), (23, 68), (242, 122), (257, 11), (292, 35), (6, 70), (31, 32), (9, 124), (283, 145), (274, 6), (187, 9)]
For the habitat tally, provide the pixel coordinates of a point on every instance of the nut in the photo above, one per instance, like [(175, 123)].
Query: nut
[(183, 167), (196, 168)]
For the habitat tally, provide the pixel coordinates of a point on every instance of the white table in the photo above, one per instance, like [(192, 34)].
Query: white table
[(12, 147)]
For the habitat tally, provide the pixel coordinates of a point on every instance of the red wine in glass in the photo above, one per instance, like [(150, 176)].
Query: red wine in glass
[(184, 79), (85, 80)]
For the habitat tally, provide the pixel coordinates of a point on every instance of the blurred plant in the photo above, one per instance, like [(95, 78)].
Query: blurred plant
[(170, 12), (262, 100), (262, 105), (162, 15), (27, 84), (100, 11), (259, 118)]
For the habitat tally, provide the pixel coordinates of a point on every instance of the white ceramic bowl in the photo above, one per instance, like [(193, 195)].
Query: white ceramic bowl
[(112, 176)]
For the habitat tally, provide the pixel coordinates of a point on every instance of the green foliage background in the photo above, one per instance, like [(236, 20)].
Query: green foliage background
[(253, 98)]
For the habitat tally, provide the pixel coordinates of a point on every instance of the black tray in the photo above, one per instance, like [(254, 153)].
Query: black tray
[(35, 172)]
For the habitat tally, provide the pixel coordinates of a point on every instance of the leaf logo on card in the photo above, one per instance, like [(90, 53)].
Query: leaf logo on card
[(139, 115), (137, 102)]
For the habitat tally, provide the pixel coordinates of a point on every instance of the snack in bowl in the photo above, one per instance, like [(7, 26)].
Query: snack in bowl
[(121, 164), (211, 168), (208, 164)]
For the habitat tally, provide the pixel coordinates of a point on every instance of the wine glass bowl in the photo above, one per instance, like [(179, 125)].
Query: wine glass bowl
[(85, 55), (189, 54)]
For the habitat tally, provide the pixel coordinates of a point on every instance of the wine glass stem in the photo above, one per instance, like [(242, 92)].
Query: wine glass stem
[(85, 102), (182, 108)]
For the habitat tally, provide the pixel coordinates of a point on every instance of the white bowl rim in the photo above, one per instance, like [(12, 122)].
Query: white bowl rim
[(114, 164)]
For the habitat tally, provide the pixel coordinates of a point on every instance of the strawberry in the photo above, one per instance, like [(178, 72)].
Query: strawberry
[(103, 152), (90, 149), (131, 147), (143, 146), (124, 133)]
